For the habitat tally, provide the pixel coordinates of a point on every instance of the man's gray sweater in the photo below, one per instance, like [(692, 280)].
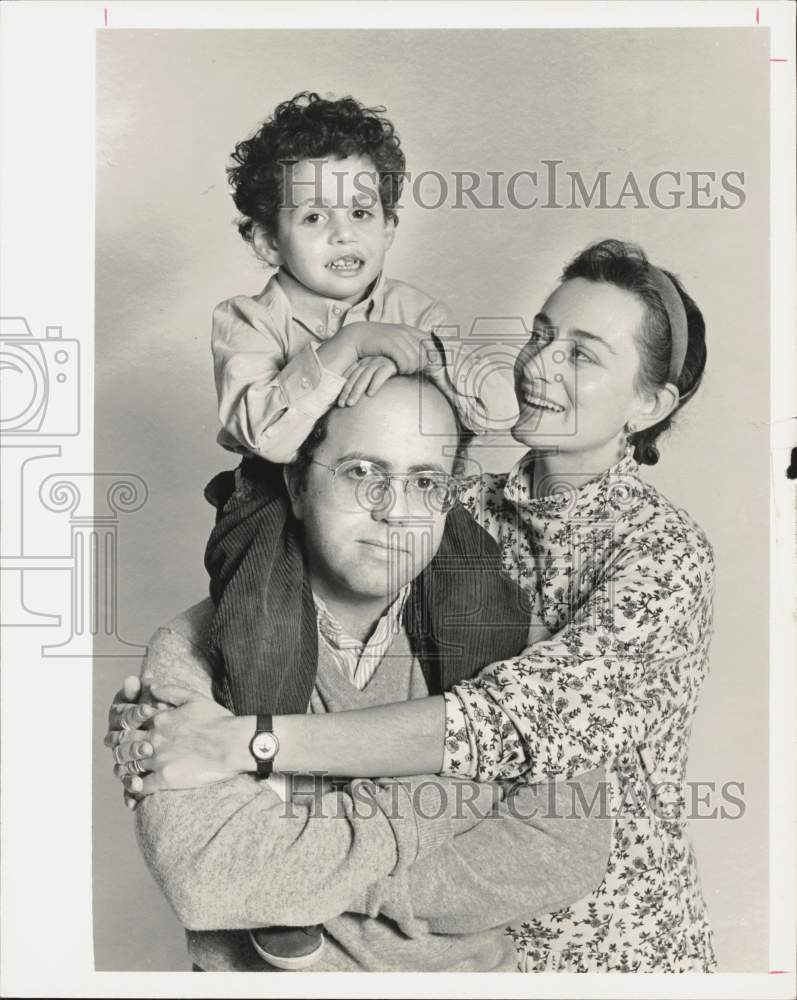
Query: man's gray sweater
[(420, 874)]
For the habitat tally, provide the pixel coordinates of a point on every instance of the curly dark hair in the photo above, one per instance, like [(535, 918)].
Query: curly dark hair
[(626, 266), (311, 127)]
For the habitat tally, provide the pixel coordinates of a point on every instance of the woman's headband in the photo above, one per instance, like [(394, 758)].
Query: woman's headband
[(676, 315)]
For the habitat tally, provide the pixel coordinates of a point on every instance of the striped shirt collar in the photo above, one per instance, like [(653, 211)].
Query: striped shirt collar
[(358, 661)]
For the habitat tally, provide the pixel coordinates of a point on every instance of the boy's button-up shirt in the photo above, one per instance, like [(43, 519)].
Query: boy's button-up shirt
[(272, 387)]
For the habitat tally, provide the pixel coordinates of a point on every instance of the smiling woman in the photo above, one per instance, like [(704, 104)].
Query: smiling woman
[(587, 387)]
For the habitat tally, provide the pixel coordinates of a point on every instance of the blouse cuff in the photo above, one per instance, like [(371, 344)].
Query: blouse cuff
[(460, 753)]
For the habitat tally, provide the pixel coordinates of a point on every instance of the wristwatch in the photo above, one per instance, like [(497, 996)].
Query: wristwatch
[(264, 745)]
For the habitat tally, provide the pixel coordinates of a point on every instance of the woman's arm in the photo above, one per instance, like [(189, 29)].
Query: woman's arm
[(632, 655), (630, 662), (402, 739), (399, 739), (199, 742), (230, 854)]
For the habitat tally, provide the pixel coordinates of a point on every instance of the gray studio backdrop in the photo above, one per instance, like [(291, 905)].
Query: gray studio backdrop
[(170, 107)]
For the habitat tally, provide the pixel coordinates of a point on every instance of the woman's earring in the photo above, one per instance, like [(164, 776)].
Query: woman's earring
[(630, 430)]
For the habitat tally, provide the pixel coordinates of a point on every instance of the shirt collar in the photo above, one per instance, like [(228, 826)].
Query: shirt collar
[(332, 631), (324, 317), (616, 489)]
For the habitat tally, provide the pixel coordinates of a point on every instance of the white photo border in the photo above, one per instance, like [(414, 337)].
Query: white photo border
[(48, 56)]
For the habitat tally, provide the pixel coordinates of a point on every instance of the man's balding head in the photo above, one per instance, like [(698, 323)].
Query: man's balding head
[(351, 547)]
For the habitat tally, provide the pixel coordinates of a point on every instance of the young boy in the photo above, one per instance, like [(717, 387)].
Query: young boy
[(317, 187)]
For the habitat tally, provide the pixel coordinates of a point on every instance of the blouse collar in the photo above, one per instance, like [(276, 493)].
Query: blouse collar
[(613, 490)]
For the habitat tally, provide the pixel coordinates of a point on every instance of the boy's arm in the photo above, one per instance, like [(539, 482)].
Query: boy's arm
[(268, 399)]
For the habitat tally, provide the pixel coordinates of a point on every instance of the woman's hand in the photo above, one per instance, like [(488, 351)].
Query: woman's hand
[(193, 744), (177, 739)]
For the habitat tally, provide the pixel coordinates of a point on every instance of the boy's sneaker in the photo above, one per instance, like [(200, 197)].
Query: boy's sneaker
[(289, 948)]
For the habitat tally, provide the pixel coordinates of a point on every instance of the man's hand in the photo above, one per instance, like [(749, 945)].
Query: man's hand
[(132, 706), (195, 743)]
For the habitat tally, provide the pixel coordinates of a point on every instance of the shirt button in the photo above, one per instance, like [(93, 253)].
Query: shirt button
[(336, 310), (319, 328), (305, 383)]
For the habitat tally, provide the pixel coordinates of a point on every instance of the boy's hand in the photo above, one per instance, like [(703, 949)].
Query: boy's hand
[(367, 376), (409, 349)]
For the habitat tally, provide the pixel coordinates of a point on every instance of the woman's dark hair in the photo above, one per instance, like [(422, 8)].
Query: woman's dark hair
[(626, 266), (310, 127)]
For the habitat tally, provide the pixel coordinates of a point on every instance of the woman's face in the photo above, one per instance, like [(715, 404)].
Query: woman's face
[(575, 379)]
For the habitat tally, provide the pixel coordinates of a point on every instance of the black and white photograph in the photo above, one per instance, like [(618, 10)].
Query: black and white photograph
[(398, 499)]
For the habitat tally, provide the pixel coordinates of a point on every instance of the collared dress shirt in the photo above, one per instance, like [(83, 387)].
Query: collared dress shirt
[(272, 387)]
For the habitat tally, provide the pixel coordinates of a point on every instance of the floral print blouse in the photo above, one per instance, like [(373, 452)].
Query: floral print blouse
[(624, 580)]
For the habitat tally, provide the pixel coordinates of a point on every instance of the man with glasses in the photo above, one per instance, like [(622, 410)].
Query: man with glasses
[(418, 875)]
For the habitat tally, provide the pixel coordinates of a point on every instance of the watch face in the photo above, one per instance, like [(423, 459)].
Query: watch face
[(264, 746)]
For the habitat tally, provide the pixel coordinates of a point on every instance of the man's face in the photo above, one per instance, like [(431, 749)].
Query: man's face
[(332, 235), (357, 549)]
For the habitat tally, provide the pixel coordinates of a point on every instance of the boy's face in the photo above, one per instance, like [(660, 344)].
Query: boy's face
[(332, 235)]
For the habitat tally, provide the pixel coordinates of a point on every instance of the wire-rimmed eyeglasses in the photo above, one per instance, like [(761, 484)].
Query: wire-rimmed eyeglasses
[(359, 484)]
